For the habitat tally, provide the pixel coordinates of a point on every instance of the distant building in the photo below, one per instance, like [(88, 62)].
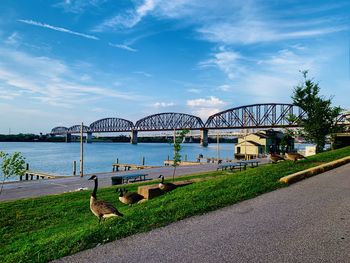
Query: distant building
[(262, 142)]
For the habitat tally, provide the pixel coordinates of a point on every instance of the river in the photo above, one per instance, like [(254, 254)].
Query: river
[(57, 158)]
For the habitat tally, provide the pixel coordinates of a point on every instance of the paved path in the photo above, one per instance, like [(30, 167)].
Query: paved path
[(25, 189), (306, 222)]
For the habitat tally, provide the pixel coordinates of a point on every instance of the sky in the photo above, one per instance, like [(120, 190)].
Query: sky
[(65, 62)]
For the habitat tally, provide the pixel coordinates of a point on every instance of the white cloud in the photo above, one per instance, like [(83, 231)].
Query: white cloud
[(207, 103), (289, 61), (50, 81), (204, 113), (146, 7), (194, 90), (7, 97), (125, 47), (85, 77), (163, 104), (256, 31), (79, 6), (129, 19), (60, 29), (204, 107), (227, 61), (269, 78), (13, 39), (224, 88), (232, 22), (145, 74)]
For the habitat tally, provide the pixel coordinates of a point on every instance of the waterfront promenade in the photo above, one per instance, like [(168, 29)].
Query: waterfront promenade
[(26, 189), (305, 222)]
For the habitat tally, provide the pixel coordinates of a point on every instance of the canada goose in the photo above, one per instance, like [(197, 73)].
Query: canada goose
[(166, 187), (99, 208), (275, 157), (294, 156), (129, 198)]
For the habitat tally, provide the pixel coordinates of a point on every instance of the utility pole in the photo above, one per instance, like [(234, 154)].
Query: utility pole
[(174, 143), (218, 146), (81, 151)]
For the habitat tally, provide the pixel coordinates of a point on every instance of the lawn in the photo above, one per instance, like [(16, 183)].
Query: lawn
[(50, 227)]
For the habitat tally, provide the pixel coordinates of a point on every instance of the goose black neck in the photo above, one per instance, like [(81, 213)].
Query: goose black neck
[(95, 189), (162, 179)]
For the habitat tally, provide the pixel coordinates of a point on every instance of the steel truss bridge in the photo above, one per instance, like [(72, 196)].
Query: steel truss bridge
[(255, 116)]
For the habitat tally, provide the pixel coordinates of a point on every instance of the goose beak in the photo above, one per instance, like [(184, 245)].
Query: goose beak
[(92, 178)]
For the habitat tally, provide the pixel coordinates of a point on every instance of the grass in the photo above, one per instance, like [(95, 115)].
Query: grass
[(50, 227)]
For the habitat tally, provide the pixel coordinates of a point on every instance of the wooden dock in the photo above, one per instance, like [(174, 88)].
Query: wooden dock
[(182, 163), (31, 175), (127, 167)]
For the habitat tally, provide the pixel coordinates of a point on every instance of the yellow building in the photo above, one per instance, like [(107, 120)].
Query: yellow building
[(260, 143)]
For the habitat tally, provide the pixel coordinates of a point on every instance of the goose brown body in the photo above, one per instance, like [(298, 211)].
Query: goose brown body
[(166, 187), (275, 158), (294, 156), (100, 208), (129, 198)]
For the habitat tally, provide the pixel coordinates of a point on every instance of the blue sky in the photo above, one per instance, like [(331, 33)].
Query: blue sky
[(67, 61)]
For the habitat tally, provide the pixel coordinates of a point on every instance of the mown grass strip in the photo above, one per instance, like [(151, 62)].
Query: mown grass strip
[(47, 228)]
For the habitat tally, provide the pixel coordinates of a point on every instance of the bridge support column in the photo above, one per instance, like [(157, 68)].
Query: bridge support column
[(68, 137), (89, 137), (133, 137), (204, 137)]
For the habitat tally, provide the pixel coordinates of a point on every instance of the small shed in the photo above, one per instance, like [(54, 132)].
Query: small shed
[(250, 148), (262, 142)]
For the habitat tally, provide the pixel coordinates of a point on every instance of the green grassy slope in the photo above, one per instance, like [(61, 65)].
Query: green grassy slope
[(47, 228)]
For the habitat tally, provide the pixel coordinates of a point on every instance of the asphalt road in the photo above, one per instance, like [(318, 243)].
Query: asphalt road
[(305, 222)]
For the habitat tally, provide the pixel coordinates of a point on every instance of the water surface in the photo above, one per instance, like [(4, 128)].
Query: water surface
[(57, 158)]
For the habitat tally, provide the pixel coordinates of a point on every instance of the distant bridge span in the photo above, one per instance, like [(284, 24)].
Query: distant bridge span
[(60, 130), (169, 121), (265, 115), (111, 125)]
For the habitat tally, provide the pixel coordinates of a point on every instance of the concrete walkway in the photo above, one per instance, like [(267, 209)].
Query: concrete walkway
[(305, 222), (26, 189)]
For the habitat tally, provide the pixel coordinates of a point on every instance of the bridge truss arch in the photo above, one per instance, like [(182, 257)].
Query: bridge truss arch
[(60, 130), (169, 121), (266, 115), (111, 125), (76, 129)]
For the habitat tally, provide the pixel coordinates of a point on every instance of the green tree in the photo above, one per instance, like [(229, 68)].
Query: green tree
[(12, 165), (320, 118), (177, 148)]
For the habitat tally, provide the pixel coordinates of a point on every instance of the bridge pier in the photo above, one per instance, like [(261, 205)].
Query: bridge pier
[(89, 137), (133, 139), (68, 137), (204, 137)]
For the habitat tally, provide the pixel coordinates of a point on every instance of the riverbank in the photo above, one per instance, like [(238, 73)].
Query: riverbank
[(50, 227), (36, 188)]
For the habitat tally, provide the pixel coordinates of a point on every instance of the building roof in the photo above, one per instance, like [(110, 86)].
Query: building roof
[(251, 142), (261, 135)]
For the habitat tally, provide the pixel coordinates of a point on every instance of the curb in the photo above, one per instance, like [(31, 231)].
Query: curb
[(292, 178)]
